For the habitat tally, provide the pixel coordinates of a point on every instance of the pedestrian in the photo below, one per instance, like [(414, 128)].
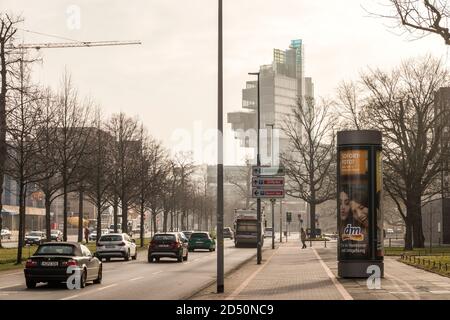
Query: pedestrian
[(86, 234), (303, 238)]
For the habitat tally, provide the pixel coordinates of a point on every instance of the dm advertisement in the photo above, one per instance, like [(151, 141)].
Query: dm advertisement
[(353, 222)]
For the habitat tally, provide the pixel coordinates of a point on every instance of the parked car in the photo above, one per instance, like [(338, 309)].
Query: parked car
[(93, 234), (56, 235), (201, 240), (187, 234), (228, 233), (5, 234), (51, 260), (268, 232), (168, 245), (116, 245), (35, 237)]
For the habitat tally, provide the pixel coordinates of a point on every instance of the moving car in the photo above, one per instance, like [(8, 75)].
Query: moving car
[(268, 233), (5, 234), (187, 234), (56, 235), (93, 234), (228, 233), (111, 228), (201, 240), (168, 245), (51, 261), (116, 245), (35, 237)]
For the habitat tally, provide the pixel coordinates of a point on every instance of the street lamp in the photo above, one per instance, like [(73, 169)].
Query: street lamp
[(272, 201), (258, 164)]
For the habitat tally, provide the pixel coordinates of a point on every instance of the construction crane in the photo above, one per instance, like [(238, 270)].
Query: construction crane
[(52, 45)]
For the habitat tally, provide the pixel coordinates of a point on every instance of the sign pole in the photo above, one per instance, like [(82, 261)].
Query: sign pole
[(273, 222)]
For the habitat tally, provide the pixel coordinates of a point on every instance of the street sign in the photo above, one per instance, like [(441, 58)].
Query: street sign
[(268, 171), (268, 182), (267, 193)]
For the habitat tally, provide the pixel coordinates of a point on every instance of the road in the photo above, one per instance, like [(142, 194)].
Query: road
[(168, 279)]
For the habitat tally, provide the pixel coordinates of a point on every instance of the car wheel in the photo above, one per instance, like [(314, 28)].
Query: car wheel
[(210, 249), (135, 256), (180, 257), (108, 259), (186, 258), (127, 257), (30, 284), (100, 276), (83, 279), (150, 259)]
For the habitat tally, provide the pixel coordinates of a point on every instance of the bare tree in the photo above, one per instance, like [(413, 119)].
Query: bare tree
[(422, 17), (350, 105), (310, 159), (185, 167), (401, 105), (242, 182), (8, 60), (71, 138)]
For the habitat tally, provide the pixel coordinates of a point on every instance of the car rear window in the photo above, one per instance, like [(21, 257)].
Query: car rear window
[(65, 250), (199, 235), (111, 238), (164, 237)]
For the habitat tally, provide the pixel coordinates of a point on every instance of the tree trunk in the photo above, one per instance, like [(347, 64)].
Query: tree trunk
[(125, 216), (64, 209), (99, 220), (155, 227), (3, 148), (408, 234), (21, 223), (80, 215), (115, 213), (312, 217), (142, 224), (47, 216)]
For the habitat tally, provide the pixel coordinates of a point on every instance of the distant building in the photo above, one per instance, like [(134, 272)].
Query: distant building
[(442, 106)]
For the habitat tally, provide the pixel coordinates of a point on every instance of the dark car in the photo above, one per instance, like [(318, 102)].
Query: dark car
[(228, 233), (168, 245), (201, 240), (51, 261)]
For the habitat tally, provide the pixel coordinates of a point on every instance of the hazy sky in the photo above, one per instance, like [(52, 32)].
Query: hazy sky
[(169, 82)]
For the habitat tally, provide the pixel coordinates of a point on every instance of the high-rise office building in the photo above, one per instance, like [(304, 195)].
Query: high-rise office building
[(282, 86)]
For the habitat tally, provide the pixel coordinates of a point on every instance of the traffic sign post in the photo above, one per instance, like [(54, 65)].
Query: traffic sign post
[(267, 193), (268, 171)]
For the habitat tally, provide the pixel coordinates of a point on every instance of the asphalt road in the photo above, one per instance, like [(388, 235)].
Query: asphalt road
[(137, 279)]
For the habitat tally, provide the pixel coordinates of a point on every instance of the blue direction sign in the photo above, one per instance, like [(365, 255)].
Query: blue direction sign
[(268, 171)]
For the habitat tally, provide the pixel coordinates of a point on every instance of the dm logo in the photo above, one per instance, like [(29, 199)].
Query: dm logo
[(352, 233)]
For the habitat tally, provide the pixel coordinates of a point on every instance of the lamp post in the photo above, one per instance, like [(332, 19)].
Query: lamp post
[(272, 201), (258, 163)]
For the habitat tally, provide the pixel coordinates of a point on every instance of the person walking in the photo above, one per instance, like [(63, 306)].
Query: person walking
[(303, 237), (86, 234)]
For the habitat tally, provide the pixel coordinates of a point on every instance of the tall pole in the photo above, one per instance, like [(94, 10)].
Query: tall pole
[(281, 220), (258, 164), (220, 260), (272, 200)]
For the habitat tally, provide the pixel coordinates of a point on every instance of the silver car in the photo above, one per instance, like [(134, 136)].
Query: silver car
[(116, 245)]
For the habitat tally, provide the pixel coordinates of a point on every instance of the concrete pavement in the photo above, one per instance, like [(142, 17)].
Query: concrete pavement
[(311, 274)]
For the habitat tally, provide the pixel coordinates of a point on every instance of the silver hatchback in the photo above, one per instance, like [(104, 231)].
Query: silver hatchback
[(116, 245)]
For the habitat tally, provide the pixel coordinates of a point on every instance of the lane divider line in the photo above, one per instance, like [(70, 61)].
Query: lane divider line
[(138, 278), (239, 289), (344, 293), (10, 286), (107, 287)]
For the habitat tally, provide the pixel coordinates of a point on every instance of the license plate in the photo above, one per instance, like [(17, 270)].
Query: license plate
[(49, 263), (163, 245), (200, 242), (110, 247)]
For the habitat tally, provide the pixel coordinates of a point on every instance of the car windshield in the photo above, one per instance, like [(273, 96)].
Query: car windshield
[(55, 231), (35, 234), (164, 237), (65, 250), (116, 237), (247, 226), (199, 235)]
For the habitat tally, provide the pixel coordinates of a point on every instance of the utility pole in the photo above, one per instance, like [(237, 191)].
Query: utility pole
[(272, 201), (220, 208), (258, 164)]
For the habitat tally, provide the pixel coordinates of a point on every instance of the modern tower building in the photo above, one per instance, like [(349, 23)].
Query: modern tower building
[(282, 84)]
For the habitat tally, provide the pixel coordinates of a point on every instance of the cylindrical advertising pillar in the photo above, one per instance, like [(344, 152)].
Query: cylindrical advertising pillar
[(359, 196)]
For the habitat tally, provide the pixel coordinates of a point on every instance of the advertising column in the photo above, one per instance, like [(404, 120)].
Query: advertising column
[(359, 217)]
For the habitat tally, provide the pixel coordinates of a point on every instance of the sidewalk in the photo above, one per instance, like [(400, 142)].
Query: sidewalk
[(286, 273)]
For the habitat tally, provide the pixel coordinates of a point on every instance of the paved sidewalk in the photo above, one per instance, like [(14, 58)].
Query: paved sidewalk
[(287, 273)]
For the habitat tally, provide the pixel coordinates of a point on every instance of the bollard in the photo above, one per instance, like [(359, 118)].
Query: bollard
[(389, 242), (325, 243)]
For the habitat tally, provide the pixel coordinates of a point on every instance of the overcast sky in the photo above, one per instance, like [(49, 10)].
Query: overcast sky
[(170, 81)]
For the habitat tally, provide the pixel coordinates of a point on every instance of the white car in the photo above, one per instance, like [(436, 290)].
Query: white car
[(35, 237), (268, 233), (93, 234), (5, 234), (116, 245)]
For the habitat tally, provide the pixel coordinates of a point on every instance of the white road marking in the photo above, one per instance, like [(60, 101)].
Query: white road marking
[(10, 286), (344, 293), (107, 287), (70, 297), (139, 278), (440, 291), (158, 272)]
